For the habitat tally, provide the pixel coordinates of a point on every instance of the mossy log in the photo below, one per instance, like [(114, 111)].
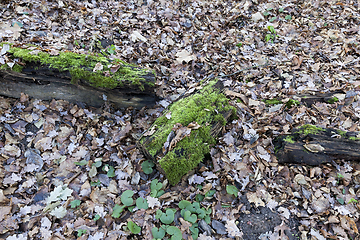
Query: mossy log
[(76, 78), (179, 139), (313, 145)]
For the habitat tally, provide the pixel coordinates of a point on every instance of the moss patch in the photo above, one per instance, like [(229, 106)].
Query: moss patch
[(310, 129), (206, 108), (333, 100), (272, 101), (81, 66), (289, 139)]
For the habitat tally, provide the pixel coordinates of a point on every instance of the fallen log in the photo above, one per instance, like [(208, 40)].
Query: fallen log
[(313, 145), (74, 77), (179, 139)]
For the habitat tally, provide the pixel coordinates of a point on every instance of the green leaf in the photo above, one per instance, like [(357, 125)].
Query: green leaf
[(199, 197), (97, 183), (194, 231), (352, 200), (81, 163), (80, 232), (97, 163), (117, 210), (158, 214), (135, 229), (167, 217), (190, 217), (271, 29), (288, 17), (207, 219), (174, 232), (158, 233), (272, 19), (160, 193), (96, 217), (183, 204), (147, 166), (126, 198), (111, 172), (155, 187), (341, 201), (231, 189), (281, 10), (266, 13), (201, 213), (75, 203), (239, 45), (210, 193), (142, 203)]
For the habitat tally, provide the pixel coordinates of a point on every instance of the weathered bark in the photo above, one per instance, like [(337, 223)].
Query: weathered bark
[(47, 84), (317, 147), (175, 156)]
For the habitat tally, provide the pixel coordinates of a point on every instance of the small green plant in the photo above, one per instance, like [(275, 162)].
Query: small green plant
[(155, 188), (272, 35), (159, 233), (273, 101), (142, 203), (239, 45), (292, 103), (81, 163), (333, 100), (231, 189), (135, 229), (111, 49), (341, 201), (147, 166), (81, 232), (174, 232), (352, 200), (126, 198), (117, 210), (288, 17), (289, 139), (75, 203), (96, 217), (167, 217), (94, 184)]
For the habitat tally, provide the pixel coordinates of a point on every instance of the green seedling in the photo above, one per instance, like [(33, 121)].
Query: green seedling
[(117, 210), (288, 17), (75, 203), (81, 163), (96, 217), (333, 100), (142, 203), (341, 201), (272, 19), (168, 216), (81, 232), (272, 35), (135, 229), (174, 232), (292, 103), (155, 188), (126, 198), (210, 194), (158, 233), (94, 184), (190, 217), (194, 231), (111, 49), (231, 189), (352, 200), (147, 166), (111, 172), (97, 162), (239, 45)]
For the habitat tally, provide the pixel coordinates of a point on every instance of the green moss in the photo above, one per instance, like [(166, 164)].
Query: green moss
[(354, 138), (289, 139), (341, 133), (310, 129), (332, 100), (292, 102), (81, 66), (272, 101), (205, 108)]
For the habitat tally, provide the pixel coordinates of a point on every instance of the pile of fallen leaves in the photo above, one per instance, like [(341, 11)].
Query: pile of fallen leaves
[(69, 171)]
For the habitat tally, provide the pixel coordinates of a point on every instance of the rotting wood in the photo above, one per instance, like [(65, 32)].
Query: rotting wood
[(44, 82), (315, 145), (178, 140)]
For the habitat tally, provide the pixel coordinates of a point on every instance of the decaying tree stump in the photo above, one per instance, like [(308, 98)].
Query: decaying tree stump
[(315, 145), (75, 78), (179, 139)]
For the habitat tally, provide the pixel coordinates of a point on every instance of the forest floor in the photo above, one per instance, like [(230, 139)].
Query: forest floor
[(69, 171)]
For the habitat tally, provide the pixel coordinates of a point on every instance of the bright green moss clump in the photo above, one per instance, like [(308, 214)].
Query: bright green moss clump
[(205, 108), (81, 66), (310, 129)]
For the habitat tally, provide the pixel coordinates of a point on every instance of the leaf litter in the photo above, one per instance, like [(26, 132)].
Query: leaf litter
[(50, 151)]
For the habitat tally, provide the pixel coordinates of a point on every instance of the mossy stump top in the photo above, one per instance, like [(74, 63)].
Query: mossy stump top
[(178, 140)]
